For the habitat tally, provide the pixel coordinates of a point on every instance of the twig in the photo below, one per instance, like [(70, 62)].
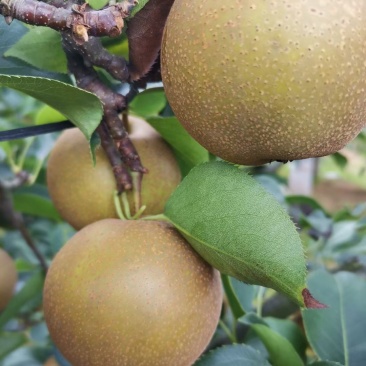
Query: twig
[(15, 219)]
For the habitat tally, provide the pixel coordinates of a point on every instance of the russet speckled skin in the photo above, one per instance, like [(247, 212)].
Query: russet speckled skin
[(84, 194), (131, 293), (257, 81), (8, 278)]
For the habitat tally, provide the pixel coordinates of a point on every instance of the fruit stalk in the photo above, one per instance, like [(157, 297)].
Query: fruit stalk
[(113, 103)]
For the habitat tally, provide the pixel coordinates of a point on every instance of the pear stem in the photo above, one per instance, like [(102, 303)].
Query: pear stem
[(160, 217), (139, 213), (126, 205), (117, 205)]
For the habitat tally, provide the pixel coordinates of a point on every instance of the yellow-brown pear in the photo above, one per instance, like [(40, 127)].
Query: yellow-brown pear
[(8, 278), (131, 293), (83, 193), (257, 81)]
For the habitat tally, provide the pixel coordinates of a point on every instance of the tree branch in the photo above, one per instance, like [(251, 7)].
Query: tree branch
[(81, 20), (13, 219)]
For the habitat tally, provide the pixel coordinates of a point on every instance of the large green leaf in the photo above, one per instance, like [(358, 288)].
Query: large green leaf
[(233, 355), (84, 109), (188, 151), (239, 228), (34, 48), (30, 290), (10, 342), (338, 333)]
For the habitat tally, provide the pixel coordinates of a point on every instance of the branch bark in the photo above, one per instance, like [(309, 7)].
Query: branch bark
[(81, 20)]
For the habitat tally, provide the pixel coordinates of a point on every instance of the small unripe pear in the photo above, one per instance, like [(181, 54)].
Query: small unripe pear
[(8, 278), (258, 81), (83, 193), (131, 293)]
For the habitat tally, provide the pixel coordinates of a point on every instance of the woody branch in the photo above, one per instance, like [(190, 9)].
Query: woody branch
[(80, 19)]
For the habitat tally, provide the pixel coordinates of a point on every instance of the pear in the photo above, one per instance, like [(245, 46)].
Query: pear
[(83, 193), (258, 81), (8, 278), (131, 293)]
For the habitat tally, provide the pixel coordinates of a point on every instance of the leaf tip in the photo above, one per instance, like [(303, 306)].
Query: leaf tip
[(310, 302)]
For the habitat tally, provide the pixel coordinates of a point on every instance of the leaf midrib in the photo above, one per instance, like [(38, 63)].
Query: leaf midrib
[(343, 325)]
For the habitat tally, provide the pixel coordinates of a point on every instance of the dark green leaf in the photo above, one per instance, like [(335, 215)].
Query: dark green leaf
[(304, 201), (33, 204), (148, 103), (279, 348), (239, 228), (34, 48), (338, 333), (289, 330), (233, 355), (30, 290), (234, 303), (93, 144), (10, 342), (340, 160), (245, 293), (283, 327), (82, 108), (188, 151), (9, 35)]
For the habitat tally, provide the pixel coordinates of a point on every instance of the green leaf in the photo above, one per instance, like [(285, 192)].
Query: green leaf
[(34, 48), (233, 300), (188, 151), (84, 109), (239, 228), (148, 103), (97, 4), (245, 293), (10, 342), (9, 35), (338, 333), (47, 114), (36, 205), (304, 201), (30, 290), (289, 330), (93, 144), (279, 348), (233, 355), (340, 160)]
